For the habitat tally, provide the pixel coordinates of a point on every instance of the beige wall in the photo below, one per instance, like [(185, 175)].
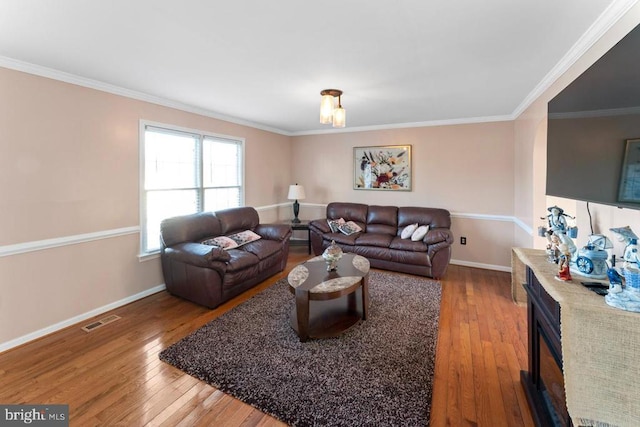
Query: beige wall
[(467, 169), (68, 169), (530, 156)]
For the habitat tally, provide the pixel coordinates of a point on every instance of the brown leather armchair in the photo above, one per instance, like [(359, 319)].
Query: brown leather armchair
[(209, 275)]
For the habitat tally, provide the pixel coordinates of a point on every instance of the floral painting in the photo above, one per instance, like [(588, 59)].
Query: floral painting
[(382, 168)]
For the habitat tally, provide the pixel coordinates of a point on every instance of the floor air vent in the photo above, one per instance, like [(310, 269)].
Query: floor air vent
[(99, 323)]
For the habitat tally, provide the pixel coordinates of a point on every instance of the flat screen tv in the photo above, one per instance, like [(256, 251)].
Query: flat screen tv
[(593, 139)]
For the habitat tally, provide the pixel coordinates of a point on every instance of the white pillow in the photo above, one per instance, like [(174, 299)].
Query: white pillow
[(420, 233), (408, 231)]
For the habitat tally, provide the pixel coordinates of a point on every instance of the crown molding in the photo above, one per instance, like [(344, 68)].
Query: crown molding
[(605, 21), (448, 122), (62, 76)]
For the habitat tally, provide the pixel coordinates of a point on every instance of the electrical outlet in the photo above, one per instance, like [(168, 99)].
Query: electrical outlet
[(463, 240)]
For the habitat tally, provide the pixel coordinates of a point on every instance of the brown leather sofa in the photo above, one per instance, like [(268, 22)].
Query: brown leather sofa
[(209, 275), (380, 239)]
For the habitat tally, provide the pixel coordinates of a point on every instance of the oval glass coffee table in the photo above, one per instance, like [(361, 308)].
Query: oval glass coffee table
[(329, 302)]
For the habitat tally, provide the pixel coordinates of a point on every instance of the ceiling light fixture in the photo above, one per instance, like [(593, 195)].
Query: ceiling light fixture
[(329, 113)]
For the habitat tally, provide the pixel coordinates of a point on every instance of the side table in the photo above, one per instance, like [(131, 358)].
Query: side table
[(302, 225)]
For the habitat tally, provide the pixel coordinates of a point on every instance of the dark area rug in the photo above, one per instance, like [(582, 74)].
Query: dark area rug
[(379, 373)]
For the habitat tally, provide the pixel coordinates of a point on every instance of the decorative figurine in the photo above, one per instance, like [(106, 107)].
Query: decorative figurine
[(553, 248), (564, 272), (626, 235), (592, 258), (625, 296), (615, 280), (332, 255), (558, 232), (556, 220)]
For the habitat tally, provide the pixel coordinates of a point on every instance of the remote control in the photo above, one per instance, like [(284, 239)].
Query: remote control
[(595, 285)]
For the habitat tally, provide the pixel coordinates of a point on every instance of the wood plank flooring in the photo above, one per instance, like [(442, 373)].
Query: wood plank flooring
[(112, 376)]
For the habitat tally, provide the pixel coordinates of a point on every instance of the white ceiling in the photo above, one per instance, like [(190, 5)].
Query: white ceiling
[(263, 63)]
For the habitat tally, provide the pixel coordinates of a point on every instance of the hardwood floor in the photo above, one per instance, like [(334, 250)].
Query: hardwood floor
[(112, 375)]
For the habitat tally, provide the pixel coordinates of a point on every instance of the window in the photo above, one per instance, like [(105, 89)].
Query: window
[(183, 172)]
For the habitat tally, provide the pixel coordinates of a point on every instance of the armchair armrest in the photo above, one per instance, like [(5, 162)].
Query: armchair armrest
[(273, 231), (199, 255)]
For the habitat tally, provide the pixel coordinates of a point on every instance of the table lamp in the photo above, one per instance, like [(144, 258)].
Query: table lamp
[(296, 192)]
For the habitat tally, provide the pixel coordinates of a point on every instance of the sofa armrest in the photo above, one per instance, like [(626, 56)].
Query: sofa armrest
[(438, 235), (199, 255), (320, 226), (273, 231), (437, 239)]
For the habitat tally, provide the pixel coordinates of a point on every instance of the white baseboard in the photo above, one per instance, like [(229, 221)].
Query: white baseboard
[(481, 265), (77, 319)]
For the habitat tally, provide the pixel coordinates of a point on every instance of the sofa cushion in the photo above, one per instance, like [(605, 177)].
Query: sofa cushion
[(241, 259), (407, 245), (382, 219), (341, 239), (349, 211), (237, 219), (189, 228), (263, 248), (374, 239), (433, 217), (371, 252)]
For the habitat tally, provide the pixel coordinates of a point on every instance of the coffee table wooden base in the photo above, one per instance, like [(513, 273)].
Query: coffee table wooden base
[(327, 318), (328, 303)]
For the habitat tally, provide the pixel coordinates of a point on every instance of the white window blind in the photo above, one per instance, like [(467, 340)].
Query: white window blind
[(185, 172)]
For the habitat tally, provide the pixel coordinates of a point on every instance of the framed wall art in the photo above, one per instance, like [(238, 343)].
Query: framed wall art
[(385, 168)]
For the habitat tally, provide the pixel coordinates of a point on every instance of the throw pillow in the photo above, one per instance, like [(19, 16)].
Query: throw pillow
[(349, 228), (224, 242), (244, 237), (210, 242), (408, 231), (334, 224), (420, 233), (235, 240)]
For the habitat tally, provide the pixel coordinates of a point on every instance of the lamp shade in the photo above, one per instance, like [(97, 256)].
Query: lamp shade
[(326, 109), (339, 117), (296, 192)]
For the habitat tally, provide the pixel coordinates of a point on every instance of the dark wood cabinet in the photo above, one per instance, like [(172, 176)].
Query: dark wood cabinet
[(544, 380)]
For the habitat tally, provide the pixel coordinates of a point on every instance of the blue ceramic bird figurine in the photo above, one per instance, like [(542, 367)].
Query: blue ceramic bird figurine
[(615, 280)]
